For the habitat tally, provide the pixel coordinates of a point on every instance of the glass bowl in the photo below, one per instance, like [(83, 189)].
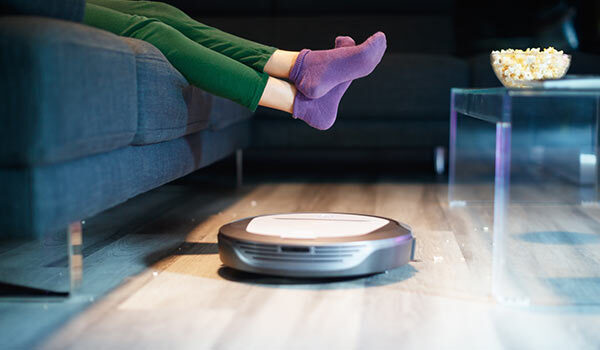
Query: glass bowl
[(513, 83)]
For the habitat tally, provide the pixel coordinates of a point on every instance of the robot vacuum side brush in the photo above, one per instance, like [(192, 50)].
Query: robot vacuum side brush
[(315, 244)]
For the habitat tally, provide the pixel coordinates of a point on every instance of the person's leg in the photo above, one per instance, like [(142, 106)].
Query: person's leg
[(278, 94), (280, 63), (201, 66), (224, 77), (248, 52), (313, 72)]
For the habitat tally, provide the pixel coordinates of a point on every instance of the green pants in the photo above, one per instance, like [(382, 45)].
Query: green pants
[(215, 61)]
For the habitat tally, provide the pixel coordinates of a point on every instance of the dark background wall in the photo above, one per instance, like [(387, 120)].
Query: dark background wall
[(460, 27)]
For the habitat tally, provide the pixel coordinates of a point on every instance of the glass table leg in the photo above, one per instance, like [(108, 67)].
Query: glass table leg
[(501, 202)]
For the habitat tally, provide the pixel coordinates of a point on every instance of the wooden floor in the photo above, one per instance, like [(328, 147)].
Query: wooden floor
[(178, 295)]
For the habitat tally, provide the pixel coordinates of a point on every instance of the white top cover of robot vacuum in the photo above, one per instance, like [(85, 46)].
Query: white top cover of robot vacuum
[(314, 225)]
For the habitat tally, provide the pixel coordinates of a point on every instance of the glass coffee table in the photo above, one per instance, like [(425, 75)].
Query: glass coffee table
[(528, 159)]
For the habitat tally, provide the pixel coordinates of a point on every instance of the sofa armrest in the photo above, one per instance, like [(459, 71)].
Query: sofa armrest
[(71, 10)]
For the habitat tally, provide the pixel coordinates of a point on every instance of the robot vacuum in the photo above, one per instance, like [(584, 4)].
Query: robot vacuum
[(315, 244)]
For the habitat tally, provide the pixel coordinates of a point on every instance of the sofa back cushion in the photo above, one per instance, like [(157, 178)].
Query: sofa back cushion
[(168, 106), (425, 26), (431, 34), (311, 7), (71, 10), (66, 91), (162, 112)]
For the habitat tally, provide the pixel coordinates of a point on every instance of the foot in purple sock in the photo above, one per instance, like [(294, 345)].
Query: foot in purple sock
[(317, 72), (321, 113)]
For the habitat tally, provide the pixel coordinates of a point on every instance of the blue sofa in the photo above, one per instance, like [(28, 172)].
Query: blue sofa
[(89, 119)]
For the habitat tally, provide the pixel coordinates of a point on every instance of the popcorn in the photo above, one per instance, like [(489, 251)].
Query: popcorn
[(514, 67)]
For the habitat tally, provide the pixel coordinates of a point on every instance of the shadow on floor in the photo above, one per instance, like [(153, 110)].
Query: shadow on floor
[(208, 248), (204, 248), (9, 290), (185, 248), (392, 276), (580, 292), (560, 237)]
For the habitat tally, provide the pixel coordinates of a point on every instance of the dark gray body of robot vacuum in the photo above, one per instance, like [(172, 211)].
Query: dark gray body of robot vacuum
[(315, 244)]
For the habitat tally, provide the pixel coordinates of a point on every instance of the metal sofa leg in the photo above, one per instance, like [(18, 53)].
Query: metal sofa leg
[(439, 156), (75, 247), (42, 269), (239, 167)]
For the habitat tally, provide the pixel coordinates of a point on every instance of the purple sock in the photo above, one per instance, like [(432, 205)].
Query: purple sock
[(317, 72), (320, 113)]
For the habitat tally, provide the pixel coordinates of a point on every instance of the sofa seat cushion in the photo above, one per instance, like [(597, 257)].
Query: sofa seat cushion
[(168, 107), (44, 199), (68, 90)]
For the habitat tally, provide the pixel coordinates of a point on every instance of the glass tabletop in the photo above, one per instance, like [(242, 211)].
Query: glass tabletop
[(500, 91), (502, 105)]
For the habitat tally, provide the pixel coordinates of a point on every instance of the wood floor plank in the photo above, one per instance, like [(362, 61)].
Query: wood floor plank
[(418, 321), (414, 204)]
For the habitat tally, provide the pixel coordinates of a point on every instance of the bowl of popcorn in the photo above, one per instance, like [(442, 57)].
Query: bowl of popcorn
[(518, 68)]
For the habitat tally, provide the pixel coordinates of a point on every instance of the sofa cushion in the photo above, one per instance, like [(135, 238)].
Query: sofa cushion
[(168, 107), (406, 86), (224, 113), (359, 6), (427, 34), (44, 199), (71, 10), (67, 90), (162, 111), (311, 7), (290, 133)]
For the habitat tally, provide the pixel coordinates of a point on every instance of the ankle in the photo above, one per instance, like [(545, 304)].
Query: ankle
[(293, 57), (278, 94), (281, 63)]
